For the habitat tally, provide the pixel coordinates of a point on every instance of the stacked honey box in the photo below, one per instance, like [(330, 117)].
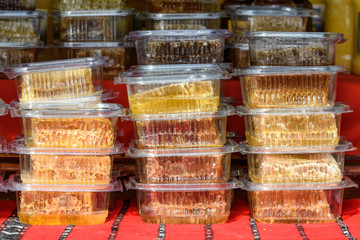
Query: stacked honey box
[(295, 152), (69, 142), (22, 32), (93, 28), (181, 148)]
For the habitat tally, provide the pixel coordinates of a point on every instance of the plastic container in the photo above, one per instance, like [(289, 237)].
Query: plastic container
[(260, 18), (3, 108), (289, 87), (293, 126), (179, 46), (293, 49), (204, 203), (182, 6), (17, 5), (237, 54), (62, 204), (184, 165), (182, 130), (92, 25), (58, 80), (296, 202), (23, 26), (83, 125), (65, 165), (297, 164), (70, 5), (123, 54), (181, 21)]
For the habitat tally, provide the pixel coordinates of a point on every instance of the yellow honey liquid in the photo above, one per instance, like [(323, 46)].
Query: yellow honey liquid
[(186, 219)]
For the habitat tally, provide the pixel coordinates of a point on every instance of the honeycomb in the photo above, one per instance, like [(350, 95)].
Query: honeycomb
[(66, 5), (179, 6), (17, 30), (277, 24)]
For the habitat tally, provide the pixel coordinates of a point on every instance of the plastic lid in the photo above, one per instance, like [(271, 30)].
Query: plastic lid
[(23, 14), (265, 70), (93, 45), (17, 146), (223, 33), (15, 184), (93, 13), (4, 108), (71, 110), (250, 186), (275, 36), (3, 145), (39, 44), (2, 185), (270, 11), (134, 184), (59, 65), (241, 46), (224, 110), (177, 16), (230, 147), (182, 67), (172, 73), (337, 109), (343, 146)]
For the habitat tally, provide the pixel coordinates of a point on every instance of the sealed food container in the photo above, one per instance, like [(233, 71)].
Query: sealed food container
[(3, 108), (78, 125), (182, 130), (62, 204), (17, 4), (184, 165), (92, 25), (293, 49), (182, 6), (65, 165), (181, 21), (296, 164), (296, 202), (173, 88), (179, 46), (261, 18), (22, 26), (58, 80), (289, 87), (123, 54), (293, 126), (70, 5), (237, 54), (202, 203)]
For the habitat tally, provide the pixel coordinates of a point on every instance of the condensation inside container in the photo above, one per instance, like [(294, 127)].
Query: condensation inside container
[(17, 4), (206, 207), (182, 24), (201, 96), (181, 6), (66, 5)]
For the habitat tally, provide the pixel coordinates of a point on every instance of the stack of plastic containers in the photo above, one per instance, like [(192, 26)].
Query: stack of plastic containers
[(66, 154), (22, 32), (295, 152), (92, 28)]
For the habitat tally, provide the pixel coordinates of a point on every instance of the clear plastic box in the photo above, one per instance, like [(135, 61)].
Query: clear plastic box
[(289, 87), (181, 21), (17, 5), (58, 80), (173, 88), (184, 165), (182, 6), (179, 46), (92, 25), (65, 165), (23, 26), (62, 204), (293, 126), (70, 5), (123, 54), (237, 54), (83, 125), (296, 202), (297, 164), (3, 108), (260, 18), (293, 49), (206, 203), (183, 130)]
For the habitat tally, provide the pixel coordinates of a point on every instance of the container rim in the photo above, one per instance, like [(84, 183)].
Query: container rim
[(57, 65), (39, 44), (224, 110), (93, 44), (171, 16), (220, 33), (23, 14), (241, 46), (3, 187), (269, 11), (134, 184), (249, 186), (18, 146), (338, 108), (343, 146), (15, 184), (93, 13), (230, 147), (299, 36)]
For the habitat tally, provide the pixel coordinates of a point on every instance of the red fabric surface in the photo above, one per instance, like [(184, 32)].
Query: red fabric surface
[(238, 227)]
